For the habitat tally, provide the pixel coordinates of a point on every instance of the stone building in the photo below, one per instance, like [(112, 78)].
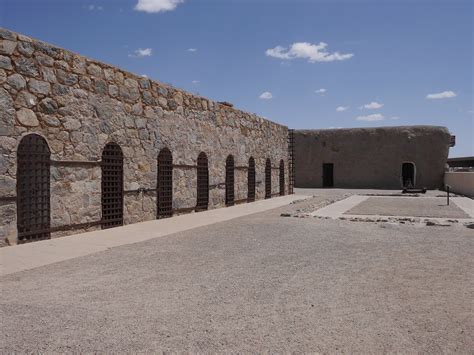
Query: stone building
[(85, 145), (384, 157)]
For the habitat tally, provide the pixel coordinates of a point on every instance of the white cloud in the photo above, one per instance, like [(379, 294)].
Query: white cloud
[(312, 52), (342, 108), (372, 106), (144, 76), (321, 91), (93, 7), (441, 95), (266, 95), (395, 118), (192, 50), (195, 82), (155, 6), (140, 53), (370, 118)]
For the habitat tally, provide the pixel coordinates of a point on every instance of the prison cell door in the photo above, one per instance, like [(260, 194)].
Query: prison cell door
[(408, 175), (328, 175)]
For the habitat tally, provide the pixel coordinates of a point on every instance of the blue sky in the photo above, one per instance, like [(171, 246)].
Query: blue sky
[(302, 63)]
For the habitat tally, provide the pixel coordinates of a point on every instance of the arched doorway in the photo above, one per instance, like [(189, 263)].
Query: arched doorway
[(282, 178), (251, 180), (112, 186), (408, 175), (164, 198), (268, 179), (229, 181), (202, 183), (33, 189)]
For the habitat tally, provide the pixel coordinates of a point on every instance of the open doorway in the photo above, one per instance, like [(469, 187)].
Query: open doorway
[(408, 175), (328, 175)]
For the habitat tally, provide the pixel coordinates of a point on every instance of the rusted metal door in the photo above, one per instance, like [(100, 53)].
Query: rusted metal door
[(202, 183), (33, 189), (291, 161), (112, 186), (164, 202), (251, 180), (282, 178), (229, 181), (268, 179)]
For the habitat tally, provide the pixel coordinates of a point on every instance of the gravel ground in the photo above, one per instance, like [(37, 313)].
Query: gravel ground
[(261, 282), (408, 206)]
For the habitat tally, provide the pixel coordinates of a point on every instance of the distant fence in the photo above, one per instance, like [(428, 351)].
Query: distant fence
[(460, 182)]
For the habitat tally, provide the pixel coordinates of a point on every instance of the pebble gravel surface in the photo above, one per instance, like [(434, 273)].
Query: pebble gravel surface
[(257, 283)]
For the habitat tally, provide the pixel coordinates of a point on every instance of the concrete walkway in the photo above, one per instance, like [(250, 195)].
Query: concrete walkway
[(28, 256), (339, 209)]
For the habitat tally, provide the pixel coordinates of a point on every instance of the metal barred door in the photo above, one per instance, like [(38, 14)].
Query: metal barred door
[(229, 181), (33, 189), (112, 186), (282, 178), (164, 201), (251, 180), (268, 179), (202, 183)]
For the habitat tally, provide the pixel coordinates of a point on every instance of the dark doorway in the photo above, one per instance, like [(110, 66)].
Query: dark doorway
[(251, 180), (328, 175), (282, 178), (408, 175), (202, 183), (229, 181), (164, 198), (33, 189), (112, 186), (268, 179)]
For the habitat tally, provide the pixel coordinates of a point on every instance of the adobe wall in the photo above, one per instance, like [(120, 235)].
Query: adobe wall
[(79, 105), (371, 157)]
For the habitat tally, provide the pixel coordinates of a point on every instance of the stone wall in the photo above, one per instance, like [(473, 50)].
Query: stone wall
[(371, 157), (79, 105)]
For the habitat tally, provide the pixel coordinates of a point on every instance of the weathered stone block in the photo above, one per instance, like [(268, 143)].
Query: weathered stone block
[(48, 106), (49, 50), (66, 78), (109, 74), (48, 74), (7, 112), (5, 63), (59, 89), (61, 64), (100, 86), (72, 124), (129, 90), (27, 118), (79, 65), (95, 70), (51, 121), (26, 66), (25, 99), (26, 48), (44, 60), (16, 81), (7, 47), (85, 83), (8, 35), (3, 76), (113, 90), (39, 87)]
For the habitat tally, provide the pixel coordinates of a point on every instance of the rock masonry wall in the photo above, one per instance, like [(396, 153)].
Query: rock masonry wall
[(79, 105)]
